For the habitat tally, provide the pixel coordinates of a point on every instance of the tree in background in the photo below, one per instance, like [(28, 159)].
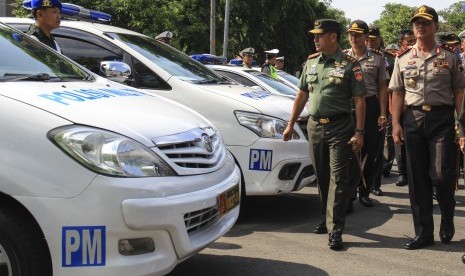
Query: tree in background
[(454, 18), (261, 24), (394, 18)]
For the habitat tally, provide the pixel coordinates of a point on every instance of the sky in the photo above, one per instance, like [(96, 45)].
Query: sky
[(370, 10)]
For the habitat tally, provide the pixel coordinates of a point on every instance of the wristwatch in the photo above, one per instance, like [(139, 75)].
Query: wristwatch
[(360, 130)]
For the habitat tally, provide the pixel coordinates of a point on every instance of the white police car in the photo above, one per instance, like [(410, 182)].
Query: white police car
[(97, 178), (254, 77), (251, 121)]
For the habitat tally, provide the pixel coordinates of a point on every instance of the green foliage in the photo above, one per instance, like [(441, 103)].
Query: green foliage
[(261, 24), (454, 18), (395, 17)]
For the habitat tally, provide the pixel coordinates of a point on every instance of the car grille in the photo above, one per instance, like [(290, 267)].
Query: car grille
[(302, 122), (198, 220), (195, 151)]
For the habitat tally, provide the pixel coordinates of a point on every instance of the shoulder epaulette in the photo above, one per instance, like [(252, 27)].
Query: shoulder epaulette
[(314, 55), (376, 51), (403, 51), (350, 59), (387, 53), (448, 47)]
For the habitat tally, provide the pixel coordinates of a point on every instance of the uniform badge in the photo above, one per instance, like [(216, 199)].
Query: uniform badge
[(411, 83), (46, 3), (442, 56), (359, 76), (356, 68)]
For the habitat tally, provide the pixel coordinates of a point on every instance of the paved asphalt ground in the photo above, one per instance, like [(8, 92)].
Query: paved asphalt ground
[(274, 237)]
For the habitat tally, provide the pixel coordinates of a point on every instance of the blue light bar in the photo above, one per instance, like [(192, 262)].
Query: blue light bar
[(77, 12), (237, 62), (209, 59)]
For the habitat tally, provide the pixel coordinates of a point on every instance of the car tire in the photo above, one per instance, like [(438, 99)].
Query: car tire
[(23, 250)]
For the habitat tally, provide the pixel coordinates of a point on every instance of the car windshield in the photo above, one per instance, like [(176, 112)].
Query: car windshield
[(275, 84), (169, 59), (288, 77), (24, 58)]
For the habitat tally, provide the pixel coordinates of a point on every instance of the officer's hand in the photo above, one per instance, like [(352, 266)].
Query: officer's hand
[(357, 142), (382, 123), (462, 143), (397, 134), (287, 134)]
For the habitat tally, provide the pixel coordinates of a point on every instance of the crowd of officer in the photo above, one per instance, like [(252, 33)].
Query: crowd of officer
[(351, 95), (361, 99)]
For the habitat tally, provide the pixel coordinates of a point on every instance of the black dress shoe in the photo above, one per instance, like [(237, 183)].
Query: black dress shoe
[(335, 240), (446, 231), (401, 180), (321, 228), (419, 242), (387, 173), (377, 192), (463, 259), (365, 201)]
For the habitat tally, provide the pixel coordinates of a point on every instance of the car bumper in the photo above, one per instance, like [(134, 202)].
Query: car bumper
[(272, 166), (131, 209)]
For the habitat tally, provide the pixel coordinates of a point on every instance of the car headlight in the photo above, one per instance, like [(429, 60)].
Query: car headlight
[(263, 125), (109, 153)]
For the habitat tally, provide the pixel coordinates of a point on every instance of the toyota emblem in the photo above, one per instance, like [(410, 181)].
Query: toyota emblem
[(207, 142)]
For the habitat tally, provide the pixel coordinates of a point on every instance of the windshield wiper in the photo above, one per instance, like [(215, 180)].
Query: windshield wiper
[(16, 77), (89, 78)]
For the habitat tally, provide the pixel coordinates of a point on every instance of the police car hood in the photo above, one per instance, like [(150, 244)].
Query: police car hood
[(263, 101), (116, 108)]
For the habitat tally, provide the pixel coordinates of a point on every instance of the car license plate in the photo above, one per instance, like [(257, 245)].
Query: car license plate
[(229, 199)]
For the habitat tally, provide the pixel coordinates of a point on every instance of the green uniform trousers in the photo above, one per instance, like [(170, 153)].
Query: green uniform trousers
[(331, 155)]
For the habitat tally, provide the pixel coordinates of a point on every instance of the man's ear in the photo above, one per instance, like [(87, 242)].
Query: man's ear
[(39, 13)]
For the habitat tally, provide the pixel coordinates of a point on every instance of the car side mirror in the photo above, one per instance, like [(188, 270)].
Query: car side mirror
[(115, 70)]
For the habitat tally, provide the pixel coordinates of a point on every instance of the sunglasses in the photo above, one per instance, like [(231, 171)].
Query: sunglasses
[(419, 23)]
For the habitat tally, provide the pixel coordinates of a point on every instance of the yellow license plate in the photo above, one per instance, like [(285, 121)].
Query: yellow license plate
[(229, 199)]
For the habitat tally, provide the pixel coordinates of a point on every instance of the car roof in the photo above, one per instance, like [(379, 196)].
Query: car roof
[(83, 25)]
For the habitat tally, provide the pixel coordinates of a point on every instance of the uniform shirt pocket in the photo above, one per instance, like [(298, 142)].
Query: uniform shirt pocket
[(311, 81)]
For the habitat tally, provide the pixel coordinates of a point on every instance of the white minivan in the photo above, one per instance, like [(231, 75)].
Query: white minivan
[(250, 121), (97, 178)]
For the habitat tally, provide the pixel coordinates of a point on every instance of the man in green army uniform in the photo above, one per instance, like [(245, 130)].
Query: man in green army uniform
[(47, 18), (330, 80)]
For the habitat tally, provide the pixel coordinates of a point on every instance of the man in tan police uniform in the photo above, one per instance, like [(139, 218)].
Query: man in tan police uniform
[(374, 76), (430, 79), (247, 57), (330, 79)]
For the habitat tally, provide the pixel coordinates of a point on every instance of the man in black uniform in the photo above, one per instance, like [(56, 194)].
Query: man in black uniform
[(47, 17), (429, 78)]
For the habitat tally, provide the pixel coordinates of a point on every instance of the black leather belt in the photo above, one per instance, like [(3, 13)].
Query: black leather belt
[(327, 120), (428, 108)]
